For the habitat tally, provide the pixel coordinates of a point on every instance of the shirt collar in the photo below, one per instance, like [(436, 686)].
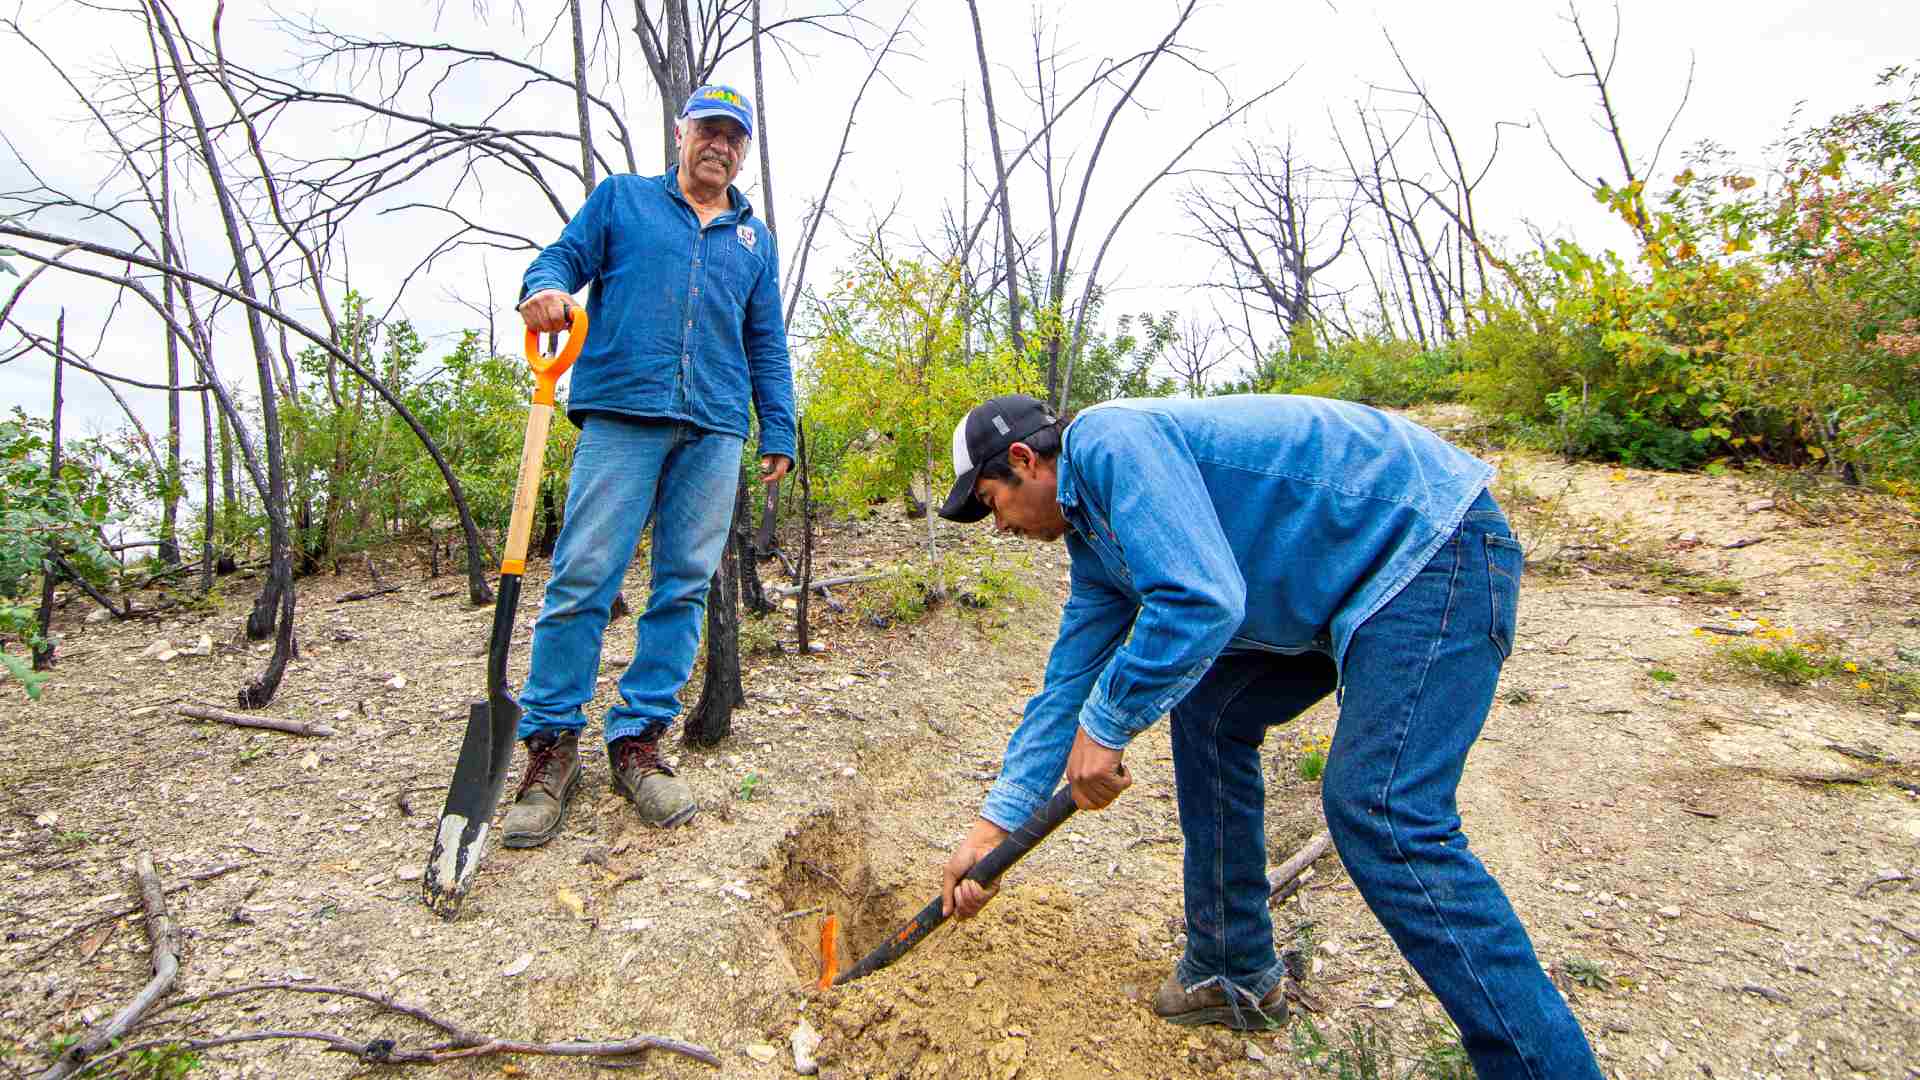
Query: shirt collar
[(736, 200)]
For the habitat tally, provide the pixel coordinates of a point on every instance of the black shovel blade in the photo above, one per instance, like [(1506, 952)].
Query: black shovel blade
[(987, 871), (479, 778)]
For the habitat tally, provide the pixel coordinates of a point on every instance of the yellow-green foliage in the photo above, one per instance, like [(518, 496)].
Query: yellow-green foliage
[(888, 378), (1376, 370), (981, 578), (1779, 320)]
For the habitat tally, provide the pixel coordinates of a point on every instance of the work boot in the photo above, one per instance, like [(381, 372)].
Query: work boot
[(640, 774), (553, 771), (1207, 1004)]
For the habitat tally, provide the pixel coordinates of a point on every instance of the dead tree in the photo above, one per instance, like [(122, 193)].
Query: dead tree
[(43, 650), (1276, 223), (711, 720), (1193, 353), (1453, 194), (1009, 249), (1599, 77), (274, 606)]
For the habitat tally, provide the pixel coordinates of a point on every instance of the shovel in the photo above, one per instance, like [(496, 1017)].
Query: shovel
[(481, 773), (986, 872)]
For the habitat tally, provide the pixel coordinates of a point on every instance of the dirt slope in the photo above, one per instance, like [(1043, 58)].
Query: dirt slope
[(1695, 847)]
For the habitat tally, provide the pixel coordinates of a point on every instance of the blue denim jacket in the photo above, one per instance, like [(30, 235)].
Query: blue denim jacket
[(1273, 523), (684, 321)]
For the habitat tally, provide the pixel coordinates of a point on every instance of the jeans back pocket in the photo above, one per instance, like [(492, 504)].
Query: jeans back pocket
[(1506, 560)]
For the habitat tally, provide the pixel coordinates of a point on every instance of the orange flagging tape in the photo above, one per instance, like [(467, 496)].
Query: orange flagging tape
[(828, 967)]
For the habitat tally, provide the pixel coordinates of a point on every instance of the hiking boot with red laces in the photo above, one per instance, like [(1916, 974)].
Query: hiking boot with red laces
[(539, 807), (644, 777)]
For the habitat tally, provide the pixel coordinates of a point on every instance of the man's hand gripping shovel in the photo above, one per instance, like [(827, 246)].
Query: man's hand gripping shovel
[(480, 775)]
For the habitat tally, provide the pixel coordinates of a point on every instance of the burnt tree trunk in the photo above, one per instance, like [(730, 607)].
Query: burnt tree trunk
[(753, 594), (806, 551), (549, 523), (206, 510), (721, 692), (763, 541), (43, 652)]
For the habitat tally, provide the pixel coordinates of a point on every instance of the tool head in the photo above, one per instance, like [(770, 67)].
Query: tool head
[(548, 369), (479, 778)]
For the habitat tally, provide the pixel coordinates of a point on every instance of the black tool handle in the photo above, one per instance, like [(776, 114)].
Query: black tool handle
[(986, 872)]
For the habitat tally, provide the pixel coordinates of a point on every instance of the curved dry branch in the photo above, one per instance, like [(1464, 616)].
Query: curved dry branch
[(1093, 275), (478, 590)]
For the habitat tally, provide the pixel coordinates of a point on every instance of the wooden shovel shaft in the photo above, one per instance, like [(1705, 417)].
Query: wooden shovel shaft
[(533, 455)]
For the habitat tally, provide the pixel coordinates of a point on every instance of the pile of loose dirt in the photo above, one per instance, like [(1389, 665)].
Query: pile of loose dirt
[(1030, 988)]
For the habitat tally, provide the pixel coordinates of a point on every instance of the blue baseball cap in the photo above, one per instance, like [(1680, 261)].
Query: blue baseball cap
[(714, 99)]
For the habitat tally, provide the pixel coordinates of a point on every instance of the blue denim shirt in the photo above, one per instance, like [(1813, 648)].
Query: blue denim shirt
[(1258, 522), (684, 321)]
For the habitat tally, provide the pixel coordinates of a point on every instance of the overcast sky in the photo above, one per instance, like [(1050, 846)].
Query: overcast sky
[(1482, 63)]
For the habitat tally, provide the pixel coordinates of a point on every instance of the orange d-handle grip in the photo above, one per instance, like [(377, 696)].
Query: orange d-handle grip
[(548, 369)]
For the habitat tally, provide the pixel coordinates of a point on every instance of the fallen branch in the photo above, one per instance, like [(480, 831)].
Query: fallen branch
[(203, 875), (1901, 930), (1888, 877), (461, 1043), (822, 586), (1321, 843), (366, 594), (166, 966), (221, 716)]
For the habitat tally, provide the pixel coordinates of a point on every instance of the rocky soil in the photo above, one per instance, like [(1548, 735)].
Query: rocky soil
[(1724, 873)]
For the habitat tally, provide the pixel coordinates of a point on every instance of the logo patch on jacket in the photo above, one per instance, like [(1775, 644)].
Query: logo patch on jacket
[(748, 237)]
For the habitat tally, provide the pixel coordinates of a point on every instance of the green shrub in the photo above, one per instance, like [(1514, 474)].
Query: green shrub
[(1375, 370)]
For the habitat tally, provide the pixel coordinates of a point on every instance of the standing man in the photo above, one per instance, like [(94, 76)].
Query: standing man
[(685, 311), (1235, 560)]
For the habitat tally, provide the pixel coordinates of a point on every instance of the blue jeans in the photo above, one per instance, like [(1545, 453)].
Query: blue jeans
[(1420, 676), (625, 472)]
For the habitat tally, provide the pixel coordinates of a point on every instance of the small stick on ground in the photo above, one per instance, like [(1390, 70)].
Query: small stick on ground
[(166, 966), (221, 716), (821, 586), (47, 950), (1887, 878), (366, 594), (1308, 854), (460, 1042)]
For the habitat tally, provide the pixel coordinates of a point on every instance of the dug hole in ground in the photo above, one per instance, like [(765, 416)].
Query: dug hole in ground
[(1717, 860)]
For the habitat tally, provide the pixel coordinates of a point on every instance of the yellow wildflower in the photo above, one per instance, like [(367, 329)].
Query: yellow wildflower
[(1851, 667)]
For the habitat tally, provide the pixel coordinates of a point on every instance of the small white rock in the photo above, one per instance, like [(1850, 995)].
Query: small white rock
[(805, 1041), (519, 965), (153, 651), (1669, 912), (98, 616), (761, 1052), (202, 647), (410, 873), (310, 760), (398, 682), (848, 772)]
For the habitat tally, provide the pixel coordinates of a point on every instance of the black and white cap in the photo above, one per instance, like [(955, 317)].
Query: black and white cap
[(983, 435)]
